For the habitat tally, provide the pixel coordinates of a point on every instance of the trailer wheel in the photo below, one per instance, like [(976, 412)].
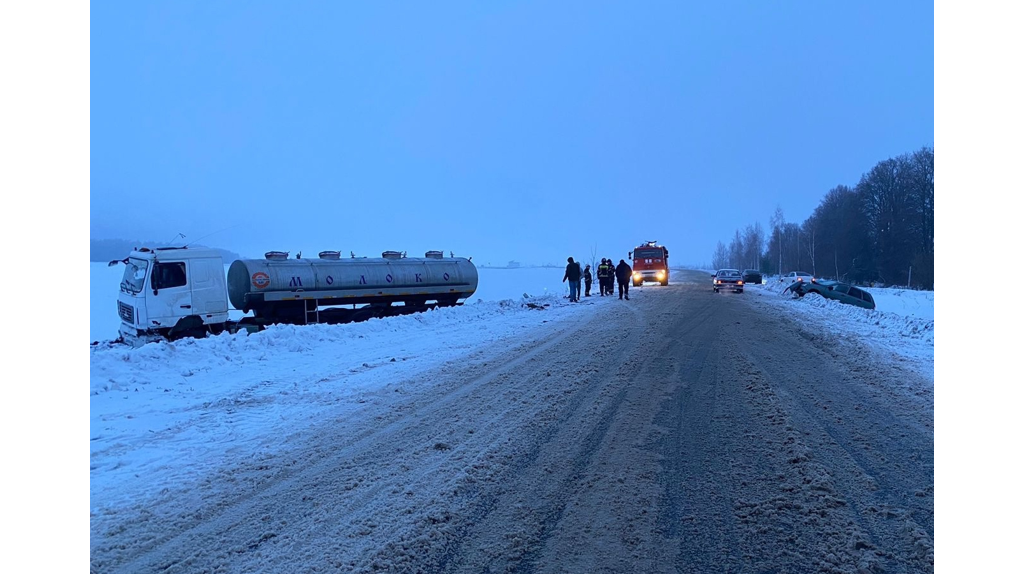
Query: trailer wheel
[(362, 314)]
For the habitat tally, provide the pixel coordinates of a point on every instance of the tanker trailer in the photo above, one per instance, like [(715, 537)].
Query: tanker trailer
[(330, 289), (175, 292)]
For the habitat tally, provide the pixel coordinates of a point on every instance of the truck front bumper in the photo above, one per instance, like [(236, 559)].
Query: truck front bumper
[(649, 277), (135, 338)]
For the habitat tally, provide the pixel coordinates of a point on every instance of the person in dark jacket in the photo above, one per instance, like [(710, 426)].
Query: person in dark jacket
[(588, 280), (611, 276), (624, 274), (604, 272), (572, 274)]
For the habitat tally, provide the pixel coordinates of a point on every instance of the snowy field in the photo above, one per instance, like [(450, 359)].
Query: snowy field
[(169, 414)]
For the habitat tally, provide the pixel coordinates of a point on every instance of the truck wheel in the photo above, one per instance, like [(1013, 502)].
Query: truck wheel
[(191, 326)]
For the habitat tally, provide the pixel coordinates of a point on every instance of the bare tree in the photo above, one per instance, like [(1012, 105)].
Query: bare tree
[(721, 258), (777, 222), (886, 196), (753, 246), (879, 230), (810, 230), (736, 251)]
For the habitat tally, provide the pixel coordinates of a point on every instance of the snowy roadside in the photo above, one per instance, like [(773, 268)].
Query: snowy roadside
[(902, 327), (237, 396)]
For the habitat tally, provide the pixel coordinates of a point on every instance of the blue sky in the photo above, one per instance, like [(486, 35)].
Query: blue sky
[(527, 130)]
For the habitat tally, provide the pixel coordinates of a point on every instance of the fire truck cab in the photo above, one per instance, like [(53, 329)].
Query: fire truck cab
[(650, 263)]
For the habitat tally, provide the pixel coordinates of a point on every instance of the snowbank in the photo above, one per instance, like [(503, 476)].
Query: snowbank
[(902, 323), (201, 396)]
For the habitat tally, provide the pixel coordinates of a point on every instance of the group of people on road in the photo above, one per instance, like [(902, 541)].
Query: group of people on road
[(607, 274)]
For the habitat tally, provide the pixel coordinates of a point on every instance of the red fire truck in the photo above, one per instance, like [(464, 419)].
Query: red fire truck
[(650, 263)]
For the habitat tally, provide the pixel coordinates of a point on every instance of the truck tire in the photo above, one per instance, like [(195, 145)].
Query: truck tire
[(191, 326)]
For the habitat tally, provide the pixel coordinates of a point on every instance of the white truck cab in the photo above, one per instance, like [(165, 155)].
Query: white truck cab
[(171, 292)]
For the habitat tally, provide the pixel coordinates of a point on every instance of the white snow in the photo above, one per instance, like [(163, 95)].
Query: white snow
[(166, 414), (902, 325)]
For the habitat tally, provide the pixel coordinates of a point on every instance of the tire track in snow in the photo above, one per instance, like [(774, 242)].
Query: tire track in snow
[(682, 431)]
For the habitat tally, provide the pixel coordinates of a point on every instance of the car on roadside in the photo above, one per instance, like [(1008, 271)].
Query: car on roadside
[(752, 277), (729, 279), (834, 290), (797, 276)]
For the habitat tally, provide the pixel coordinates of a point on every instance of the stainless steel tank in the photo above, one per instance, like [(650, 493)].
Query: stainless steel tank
[(256, 283)]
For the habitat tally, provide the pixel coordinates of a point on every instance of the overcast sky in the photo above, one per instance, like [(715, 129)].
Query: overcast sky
[(527, 130)]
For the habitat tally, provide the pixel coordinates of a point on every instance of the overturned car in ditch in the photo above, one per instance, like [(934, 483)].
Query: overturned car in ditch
[(842, 292)]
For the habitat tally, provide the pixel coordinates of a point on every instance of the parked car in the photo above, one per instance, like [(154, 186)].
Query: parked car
[(752, 276), (842, 292), (730, 279), (797, 276)]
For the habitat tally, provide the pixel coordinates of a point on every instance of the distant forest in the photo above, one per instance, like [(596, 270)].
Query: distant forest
[(880, 231), (110, 249)]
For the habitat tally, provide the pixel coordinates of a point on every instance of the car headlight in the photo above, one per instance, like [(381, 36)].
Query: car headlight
[(739, 282)]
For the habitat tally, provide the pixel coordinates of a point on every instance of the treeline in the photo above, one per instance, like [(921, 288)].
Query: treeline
[(110, 249), (882, 230)]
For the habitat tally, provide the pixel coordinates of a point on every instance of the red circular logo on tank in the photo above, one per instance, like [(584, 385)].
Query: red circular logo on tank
[(260, 280)]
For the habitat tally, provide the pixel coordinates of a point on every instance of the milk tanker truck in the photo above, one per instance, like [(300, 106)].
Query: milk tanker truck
[(168, 293)]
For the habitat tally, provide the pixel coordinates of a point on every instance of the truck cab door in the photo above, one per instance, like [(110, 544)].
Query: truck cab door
[(170, 294), (209, 292)]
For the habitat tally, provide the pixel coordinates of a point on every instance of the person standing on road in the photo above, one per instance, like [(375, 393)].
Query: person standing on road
[(604, 271), (572, 274), (624, 273), (588, 280)]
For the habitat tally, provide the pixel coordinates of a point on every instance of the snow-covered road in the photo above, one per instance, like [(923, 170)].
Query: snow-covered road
[(681, 431)]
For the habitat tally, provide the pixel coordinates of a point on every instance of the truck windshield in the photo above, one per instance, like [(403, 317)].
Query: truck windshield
[(134, 276), (647, 254)]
